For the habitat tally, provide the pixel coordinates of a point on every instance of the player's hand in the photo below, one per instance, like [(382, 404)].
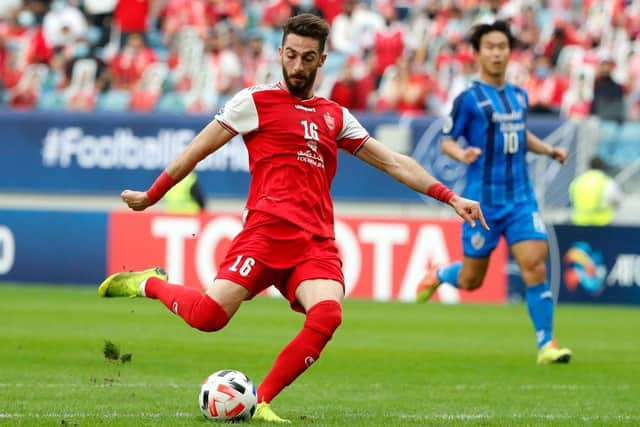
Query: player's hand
[(471, 154), (136, 200), (559, 154), (469, 210)]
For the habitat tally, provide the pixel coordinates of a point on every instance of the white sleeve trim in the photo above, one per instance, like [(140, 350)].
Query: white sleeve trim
[(351, 128), (240, 113)]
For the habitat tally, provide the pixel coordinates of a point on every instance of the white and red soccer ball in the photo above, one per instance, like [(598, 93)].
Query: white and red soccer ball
[(228, 395)]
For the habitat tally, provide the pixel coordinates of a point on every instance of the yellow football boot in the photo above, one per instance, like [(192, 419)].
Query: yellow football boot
[(128, 284), (551, 353), (265, 413)]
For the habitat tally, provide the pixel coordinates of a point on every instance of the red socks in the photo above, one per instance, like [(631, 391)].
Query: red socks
[(205, 314), (322, 320), (197, 309)]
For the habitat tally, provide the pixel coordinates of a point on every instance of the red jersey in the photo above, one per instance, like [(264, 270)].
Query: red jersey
[(131, 15), (293, 152), (388, 46)]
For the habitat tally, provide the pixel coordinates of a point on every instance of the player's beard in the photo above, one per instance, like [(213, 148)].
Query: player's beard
[(301, 88)]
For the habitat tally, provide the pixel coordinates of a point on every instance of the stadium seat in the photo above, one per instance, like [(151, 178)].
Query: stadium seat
[(80, 95), (628, 146), (114, 100), (148, 90), (608, 136), (113, 45), (570, 54), (190, 51), (154, 77), (26, 93), (83, 76), (171, 102), (155, 42), (52, 101)]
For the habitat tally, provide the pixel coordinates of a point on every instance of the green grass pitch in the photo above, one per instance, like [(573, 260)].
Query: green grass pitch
[(389, 365)]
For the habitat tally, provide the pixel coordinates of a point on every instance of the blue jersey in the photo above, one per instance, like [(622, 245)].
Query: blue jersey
[(493, 119)]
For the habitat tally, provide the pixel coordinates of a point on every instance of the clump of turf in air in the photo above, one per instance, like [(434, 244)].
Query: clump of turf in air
[(110, 351)]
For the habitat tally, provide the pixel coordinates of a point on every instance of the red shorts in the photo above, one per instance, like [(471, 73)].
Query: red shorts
[(270, 251)]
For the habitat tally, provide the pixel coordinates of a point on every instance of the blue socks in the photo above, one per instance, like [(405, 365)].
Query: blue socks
[(449, 273), (539, 302), (540, 305)]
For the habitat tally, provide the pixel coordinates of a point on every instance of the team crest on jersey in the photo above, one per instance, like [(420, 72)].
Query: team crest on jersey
[(330, 121), (477, 240), (313, 145), (521, 100)]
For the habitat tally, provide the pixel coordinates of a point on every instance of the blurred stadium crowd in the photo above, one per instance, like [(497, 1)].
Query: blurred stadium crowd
[(575, 58)]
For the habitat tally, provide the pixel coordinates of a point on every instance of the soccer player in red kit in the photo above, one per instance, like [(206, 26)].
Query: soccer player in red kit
[(292, 138)]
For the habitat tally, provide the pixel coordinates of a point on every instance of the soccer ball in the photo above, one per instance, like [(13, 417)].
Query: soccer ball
[(228, 395)]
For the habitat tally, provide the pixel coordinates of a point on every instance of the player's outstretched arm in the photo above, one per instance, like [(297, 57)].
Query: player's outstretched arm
[(536, 145), (211, 138), (469, 210), (410, 173), (466, 155)]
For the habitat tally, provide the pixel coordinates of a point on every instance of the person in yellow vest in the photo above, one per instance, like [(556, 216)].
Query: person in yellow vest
[(594, 195), (186, 197)]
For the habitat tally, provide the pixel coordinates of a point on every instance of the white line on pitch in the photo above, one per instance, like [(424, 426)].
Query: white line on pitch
[(99, 384), (454, 386), (550, 417), (101, 415), (430, 417)]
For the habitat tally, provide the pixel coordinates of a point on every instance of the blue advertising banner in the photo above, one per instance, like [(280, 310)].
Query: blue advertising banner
[(599, 264), (104, 153), (52, 246)]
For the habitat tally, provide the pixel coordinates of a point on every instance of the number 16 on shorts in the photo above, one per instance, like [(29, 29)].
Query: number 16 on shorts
[(243, 265)]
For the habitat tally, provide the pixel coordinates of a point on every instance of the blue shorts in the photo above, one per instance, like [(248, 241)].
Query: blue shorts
[(517, 222)]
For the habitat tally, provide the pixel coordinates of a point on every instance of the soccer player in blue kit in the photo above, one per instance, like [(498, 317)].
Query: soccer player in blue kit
[(491, 115)]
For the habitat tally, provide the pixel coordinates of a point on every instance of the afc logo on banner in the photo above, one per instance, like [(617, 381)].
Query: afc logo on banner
[(7, 249), (626, 271)]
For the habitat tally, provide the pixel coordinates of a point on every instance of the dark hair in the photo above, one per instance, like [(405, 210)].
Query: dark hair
[(597, 163), (307, 25), (478, 31)]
